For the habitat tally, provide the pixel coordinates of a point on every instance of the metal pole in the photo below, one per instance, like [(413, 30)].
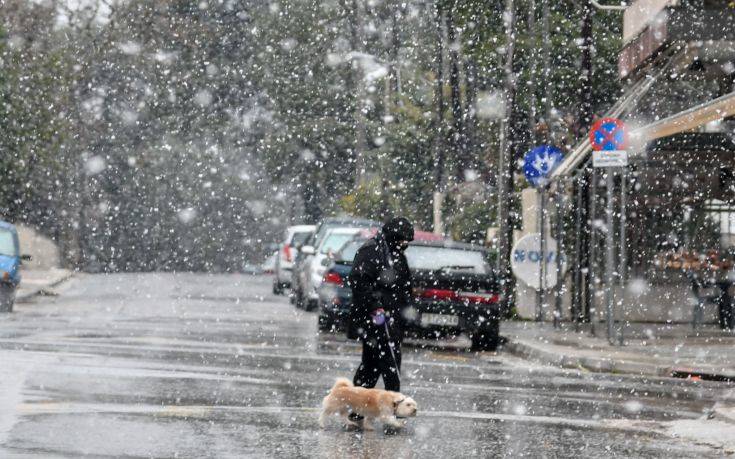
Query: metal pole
[(592, 273), (623, 245), (577, 267), (623, 241), (505, 164), (609, 258), (542, 254), (559, 252)]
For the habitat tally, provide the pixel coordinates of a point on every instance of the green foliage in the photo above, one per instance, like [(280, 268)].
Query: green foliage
[(470, 222), (368, 199), (178, 136)]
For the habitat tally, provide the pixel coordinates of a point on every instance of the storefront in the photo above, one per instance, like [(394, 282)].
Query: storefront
[(674, 205)]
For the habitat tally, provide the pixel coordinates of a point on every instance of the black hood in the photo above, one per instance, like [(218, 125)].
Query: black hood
[(398, 229)]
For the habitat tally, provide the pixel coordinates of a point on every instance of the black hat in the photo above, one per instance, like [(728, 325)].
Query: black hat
[(398, 229)]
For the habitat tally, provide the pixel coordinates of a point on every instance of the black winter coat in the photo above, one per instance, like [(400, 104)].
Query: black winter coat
[(379, 279)]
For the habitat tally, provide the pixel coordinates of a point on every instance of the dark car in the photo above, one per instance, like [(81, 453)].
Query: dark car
[(454, 291)]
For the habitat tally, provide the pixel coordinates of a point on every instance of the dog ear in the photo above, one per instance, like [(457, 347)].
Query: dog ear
[(397, 401)]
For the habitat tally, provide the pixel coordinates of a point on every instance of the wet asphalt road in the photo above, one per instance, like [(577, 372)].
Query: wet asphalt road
[(187, 365)]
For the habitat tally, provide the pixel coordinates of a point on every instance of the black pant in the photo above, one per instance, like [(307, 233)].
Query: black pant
[(377, 359)]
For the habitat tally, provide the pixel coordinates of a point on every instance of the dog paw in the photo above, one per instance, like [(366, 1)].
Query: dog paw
[(352, 426)]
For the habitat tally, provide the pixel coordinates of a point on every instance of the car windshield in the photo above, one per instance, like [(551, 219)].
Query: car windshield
[(349, 250), (7, 243), (298, 239), (325, 227), (451, 259), (334, 242)]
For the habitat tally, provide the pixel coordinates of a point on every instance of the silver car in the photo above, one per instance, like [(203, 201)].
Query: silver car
[(293, 240), (319, 257), (301, 295)]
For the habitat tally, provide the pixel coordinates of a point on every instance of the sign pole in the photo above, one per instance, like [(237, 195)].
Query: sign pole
[(610, 257), (537, 166), (623, 219), (559, 250), (623, 248), (609, 138), (542, 258), (592, 274)]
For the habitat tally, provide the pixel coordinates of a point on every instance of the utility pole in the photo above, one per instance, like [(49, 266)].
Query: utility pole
[(546, 39), (458, 141), (584, 266), (532, 72), (395, 76), (506, 164), (352, 12), (438, 147)]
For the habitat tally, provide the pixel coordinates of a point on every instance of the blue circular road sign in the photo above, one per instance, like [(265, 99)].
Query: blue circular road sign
[(540, 162)]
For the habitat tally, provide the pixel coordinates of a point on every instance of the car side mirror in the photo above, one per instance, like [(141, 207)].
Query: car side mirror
[(307, 250)]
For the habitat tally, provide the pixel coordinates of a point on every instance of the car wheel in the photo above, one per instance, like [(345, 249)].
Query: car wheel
[(7, 298), (325, 324), (310, 305), (298, 299), (487, 337)]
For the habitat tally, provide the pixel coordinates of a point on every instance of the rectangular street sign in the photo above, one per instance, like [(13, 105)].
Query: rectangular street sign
[(610, 158)]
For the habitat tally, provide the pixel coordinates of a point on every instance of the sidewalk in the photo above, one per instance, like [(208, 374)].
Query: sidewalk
[(36, 281), (671, 350)]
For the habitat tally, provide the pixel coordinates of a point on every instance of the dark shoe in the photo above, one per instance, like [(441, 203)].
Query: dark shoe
[(391, 430)]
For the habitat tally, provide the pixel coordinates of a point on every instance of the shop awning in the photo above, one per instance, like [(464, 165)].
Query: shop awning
[(690, 119)]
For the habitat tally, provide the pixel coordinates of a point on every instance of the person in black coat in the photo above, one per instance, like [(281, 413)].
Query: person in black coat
[(381, 290)]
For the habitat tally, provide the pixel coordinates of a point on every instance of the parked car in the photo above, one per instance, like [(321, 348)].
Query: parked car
[(299, 295), (294, 238), (10, 261), (310, 276), (454, 291), (269, 264)]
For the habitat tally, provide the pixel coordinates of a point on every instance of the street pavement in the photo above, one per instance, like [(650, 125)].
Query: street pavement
[(195, 365), (37, 281)]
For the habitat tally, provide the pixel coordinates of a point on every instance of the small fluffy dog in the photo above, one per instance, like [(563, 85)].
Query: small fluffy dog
[(373, 404)]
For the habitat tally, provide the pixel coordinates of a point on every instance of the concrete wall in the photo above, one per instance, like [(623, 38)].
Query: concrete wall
[(525, 295), (44, 253)]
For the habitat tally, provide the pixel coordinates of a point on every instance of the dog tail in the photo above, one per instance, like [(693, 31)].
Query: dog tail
[(342, 382)]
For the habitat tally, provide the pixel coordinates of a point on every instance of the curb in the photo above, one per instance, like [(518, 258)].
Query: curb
[(607, 365), (725, 413), (596, 365), (36, 291)]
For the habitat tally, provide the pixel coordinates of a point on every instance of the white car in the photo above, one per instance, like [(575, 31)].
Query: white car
[(293, 239), (323, 253)]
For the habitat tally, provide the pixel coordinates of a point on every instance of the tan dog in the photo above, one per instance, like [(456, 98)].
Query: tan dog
[(373, 404)]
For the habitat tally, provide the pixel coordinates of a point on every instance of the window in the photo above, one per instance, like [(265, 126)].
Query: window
[(299, 239), (434, 258), (334, 242), (7, 243)]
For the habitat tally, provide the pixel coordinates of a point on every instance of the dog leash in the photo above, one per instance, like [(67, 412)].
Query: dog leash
[(390, 348)]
